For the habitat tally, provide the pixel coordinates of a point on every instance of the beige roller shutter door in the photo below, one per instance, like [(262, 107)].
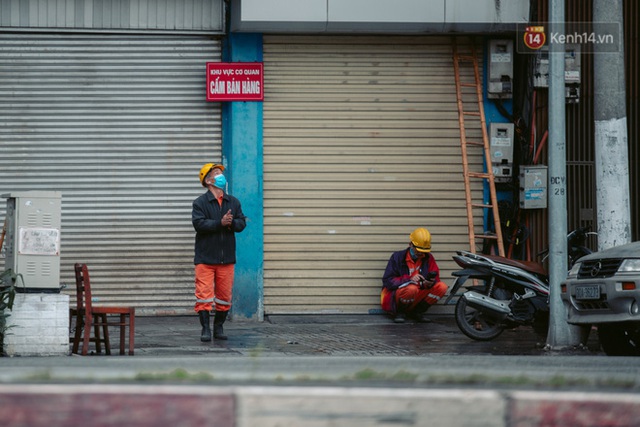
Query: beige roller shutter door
[(361, 145)]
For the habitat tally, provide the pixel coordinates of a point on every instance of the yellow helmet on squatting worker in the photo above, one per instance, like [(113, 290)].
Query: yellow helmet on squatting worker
[(204, 171), (421, 239)]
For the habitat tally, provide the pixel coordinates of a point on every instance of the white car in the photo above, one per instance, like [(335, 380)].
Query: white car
[(603, 289)]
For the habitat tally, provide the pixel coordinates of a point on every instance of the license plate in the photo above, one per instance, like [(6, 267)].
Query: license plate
[(588, 292)]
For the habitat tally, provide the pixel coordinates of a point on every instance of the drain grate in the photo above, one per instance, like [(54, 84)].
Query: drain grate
[(330, 342)]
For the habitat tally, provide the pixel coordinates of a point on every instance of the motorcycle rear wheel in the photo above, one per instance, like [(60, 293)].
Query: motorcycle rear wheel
[(476, 325)]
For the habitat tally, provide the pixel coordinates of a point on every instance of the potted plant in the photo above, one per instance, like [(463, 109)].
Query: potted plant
[(7, 295)]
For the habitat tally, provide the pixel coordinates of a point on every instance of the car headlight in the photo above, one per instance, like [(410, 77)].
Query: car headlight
[(573, 273), (630, 266)]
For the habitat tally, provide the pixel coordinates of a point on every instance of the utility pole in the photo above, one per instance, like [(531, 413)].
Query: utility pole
[(559, 335), (611, 147)]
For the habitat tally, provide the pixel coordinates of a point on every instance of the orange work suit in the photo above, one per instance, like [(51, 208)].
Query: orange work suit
[(399, 294)]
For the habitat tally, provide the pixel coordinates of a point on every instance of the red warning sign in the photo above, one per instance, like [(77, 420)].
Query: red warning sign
[(235, 81)]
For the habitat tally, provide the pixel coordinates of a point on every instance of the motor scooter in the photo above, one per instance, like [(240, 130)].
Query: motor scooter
[(509, 293)]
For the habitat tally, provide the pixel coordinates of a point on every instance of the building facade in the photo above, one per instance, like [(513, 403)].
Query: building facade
[(355, 144)]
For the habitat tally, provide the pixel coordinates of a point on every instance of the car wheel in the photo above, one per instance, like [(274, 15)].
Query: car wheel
[(620, 339)]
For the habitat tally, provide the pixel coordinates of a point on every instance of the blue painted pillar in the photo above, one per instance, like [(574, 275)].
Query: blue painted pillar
[(242, 152)]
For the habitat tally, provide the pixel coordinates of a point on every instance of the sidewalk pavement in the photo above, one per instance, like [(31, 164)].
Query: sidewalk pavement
[(331, 370)]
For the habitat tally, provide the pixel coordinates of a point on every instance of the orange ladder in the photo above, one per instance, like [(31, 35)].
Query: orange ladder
[(471, 116)]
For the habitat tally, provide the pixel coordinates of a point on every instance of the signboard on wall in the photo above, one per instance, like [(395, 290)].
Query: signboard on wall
[(235, 81)]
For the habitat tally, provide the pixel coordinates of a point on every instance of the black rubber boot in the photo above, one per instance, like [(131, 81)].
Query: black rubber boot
[(205, 321), (218, 321), (419, 314)]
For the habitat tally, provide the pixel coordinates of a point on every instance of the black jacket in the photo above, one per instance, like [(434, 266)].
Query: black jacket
[(216, 244)]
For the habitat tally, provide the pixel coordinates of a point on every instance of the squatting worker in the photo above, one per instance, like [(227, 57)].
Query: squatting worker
[(216, 217), (411, 282)]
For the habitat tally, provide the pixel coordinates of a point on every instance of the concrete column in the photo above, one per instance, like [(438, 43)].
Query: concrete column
[(612, 152), (560, 335)]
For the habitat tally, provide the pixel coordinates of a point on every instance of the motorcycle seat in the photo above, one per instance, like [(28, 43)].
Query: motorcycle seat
[(530, 266)]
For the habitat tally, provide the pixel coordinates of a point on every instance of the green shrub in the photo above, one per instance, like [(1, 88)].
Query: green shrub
[(7, 295)]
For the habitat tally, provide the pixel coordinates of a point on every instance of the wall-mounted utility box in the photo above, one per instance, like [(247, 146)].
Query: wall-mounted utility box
[(500, 69), (501, 148), (541, 68), (533, 187), (33, 239), (572, 71)]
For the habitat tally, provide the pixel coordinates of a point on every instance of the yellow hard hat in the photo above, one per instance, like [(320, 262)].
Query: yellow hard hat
[(204, 171), (421, 239)]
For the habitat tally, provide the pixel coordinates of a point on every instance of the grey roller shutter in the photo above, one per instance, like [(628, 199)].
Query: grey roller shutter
[(119, 124), (361, 146), (119, 15)]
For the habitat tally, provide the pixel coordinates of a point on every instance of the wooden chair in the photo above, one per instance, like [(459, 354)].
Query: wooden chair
[(89, 316)]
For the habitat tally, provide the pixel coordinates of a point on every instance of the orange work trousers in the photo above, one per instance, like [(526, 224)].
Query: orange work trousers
[(408, 297), (214, 285)]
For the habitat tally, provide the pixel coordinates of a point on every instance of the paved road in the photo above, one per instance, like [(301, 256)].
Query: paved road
[(338, 350), (323, 371)]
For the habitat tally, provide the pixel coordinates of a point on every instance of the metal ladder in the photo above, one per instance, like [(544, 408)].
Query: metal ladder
[(471, 112)]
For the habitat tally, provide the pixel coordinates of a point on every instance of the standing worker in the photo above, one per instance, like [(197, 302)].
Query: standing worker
[(216, 217), (411, 282)]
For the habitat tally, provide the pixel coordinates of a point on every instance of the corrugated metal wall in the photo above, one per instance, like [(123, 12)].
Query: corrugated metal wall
[(361, 145), (173, 15), (119, 125)]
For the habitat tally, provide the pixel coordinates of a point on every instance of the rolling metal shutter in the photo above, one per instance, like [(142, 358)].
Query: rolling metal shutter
[(361, 146), (119, 124)]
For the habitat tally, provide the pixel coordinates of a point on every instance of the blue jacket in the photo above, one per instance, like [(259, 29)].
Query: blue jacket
[(397, 271), (216, 244)]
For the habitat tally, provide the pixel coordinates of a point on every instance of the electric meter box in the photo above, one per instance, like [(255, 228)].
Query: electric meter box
[(32, 241), (533, 187), (500, 69), (572, 71), (501, 148)]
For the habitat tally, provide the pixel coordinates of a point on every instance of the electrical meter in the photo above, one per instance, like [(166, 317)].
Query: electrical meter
[(501, 147), (500, 69), (572, 71), (533, 187)]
